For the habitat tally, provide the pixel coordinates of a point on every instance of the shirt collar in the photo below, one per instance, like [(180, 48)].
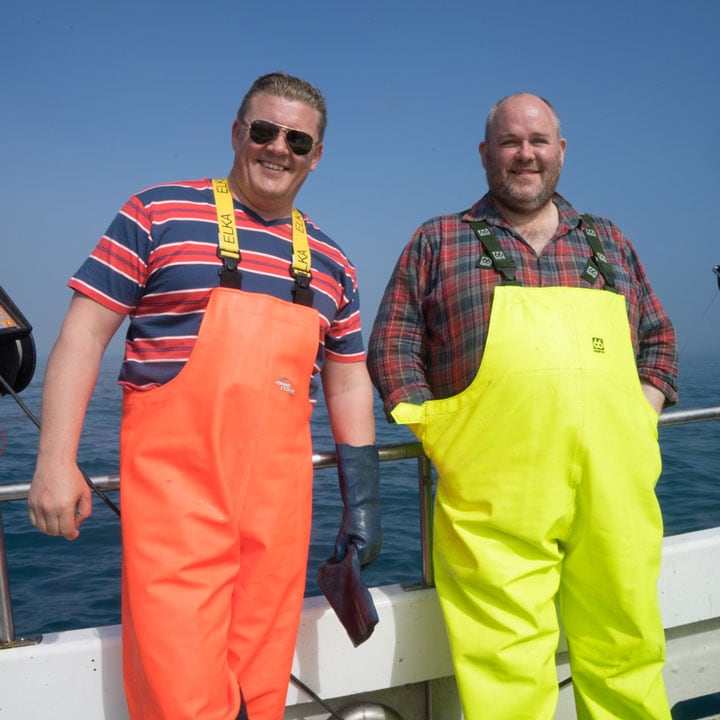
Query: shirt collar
[(485, 209)]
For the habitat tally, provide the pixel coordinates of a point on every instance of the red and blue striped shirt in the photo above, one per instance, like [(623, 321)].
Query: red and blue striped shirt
[(158, 263)]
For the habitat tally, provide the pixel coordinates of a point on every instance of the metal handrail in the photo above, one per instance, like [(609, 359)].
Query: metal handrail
[(404, 451), (682, 417)]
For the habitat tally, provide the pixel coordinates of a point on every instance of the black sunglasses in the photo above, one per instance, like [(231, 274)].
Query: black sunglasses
[(262, 132)]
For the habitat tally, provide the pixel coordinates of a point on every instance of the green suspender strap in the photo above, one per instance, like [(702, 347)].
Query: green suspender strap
[(495, 257), (597, 264), (229, 248)]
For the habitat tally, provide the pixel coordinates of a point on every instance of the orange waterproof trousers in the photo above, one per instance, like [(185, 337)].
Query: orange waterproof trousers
[(216, 484)]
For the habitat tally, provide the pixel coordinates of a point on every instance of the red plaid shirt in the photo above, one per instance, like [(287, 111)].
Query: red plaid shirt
[(429, 333)]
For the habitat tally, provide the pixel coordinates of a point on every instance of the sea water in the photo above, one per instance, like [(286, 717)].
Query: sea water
[(57, 585)]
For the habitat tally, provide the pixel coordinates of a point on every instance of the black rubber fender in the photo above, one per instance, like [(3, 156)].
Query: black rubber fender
[(17, 362)]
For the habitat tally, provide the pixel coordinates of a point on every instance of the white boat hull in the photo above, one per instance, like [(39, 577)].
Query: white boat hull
[(77, 674)]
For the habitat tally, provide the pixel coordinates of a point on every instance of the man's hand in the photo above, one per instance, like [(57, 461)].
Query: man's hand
[(59, 502)]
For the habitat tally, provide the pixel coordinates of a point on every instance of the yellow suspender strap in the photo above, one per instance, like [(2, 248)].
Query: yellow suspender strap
[(229, 248), (227, 231), (300, 270), (301, 249)]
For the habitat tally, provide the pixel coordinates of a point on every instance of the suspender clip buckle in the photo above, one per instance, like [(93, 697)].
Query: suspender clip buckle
[(302, 279), (230, 277)]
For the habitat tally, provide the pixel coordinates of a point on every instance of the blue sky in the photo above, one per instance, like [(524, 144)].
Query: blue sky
[(99, 100)]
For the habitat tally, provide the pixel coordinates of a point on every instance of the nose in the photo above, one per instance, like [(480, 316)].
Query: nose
[(525, 150), (279, 144)]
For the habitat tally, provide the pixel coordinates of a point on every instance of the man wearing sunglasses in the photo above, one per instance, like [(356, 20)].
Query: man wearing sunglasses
[(522, 342), (238, 306)]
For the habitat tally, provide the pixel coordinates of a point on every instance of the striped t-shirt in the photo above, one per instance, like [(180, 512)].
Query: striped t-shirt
[(158, 262)]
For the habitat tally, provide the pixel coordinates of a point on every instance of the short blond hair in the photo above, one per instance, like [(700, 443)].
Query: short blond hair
[(288, 87)]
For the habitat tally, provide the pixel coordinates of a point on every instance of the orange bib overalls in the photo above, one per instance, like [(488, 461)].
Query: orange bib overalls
[(216, 470), (546, 467)]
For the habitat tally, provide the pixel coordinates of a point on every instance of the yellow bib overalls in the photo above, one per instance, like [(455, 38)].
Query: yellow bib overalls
[(546, 467)]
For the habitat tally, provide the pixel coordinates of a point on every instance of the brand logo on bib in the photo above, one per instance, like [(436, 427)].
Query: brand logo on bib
[(285, 385), (598, 345)]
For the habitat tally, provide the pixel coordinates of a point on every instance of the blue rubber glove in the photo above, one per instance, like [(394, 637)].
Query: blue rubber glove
[(359, 476)]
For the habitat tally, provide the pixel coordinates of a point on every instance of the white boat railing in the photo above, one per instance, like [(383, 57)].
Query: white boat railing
[(107, 483)]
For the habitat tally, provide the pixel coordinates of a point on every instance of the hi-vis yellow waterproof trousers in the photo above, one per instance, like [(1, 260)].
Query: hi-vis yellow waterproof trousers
[(547, 465), (216, 483)]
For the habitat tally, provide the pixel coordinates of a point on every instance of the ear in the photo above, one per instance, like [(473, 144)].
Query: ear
[(317, 154), (563, 145), (483, 150), (236, 134)]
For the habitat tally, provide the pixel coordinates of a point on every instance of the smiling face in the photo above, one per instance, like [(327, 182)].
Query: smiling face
[(523, 154), (267, 177)]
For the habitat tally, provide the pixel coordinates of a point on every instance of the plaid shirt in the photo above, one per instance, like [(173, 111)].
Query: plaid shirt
[(429, 333)]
